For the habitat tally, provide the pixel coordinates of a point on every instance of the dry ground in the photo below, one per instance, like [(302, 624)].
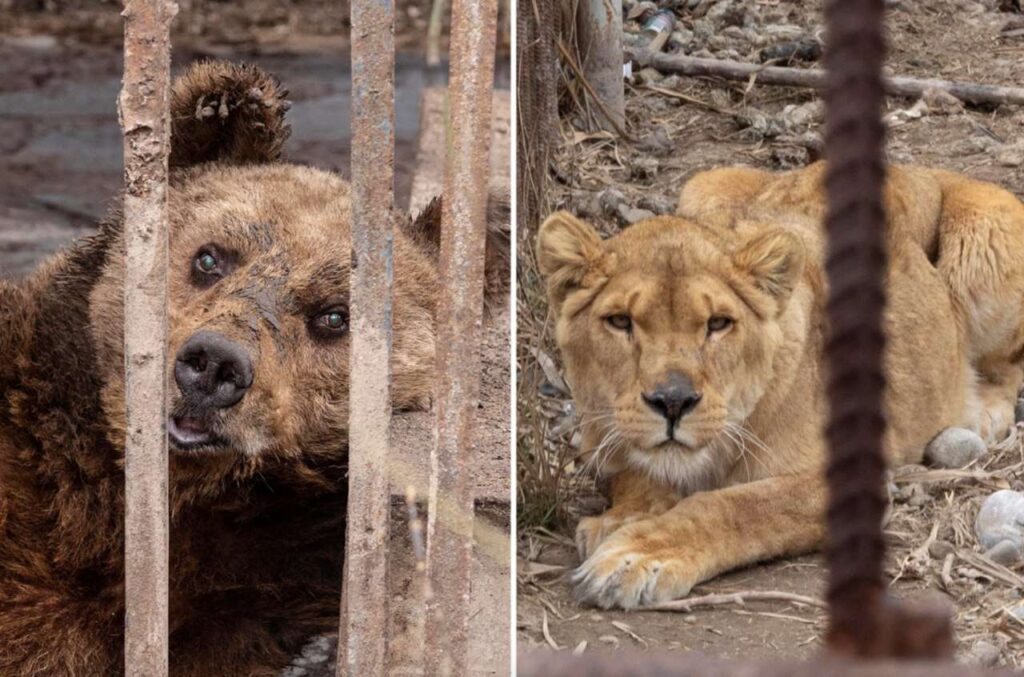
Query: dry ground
[(681, 126)]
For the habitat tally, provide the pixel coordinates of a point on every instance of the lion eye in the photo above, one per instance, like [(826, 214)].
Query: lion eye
[(719, 323), (621, 321)]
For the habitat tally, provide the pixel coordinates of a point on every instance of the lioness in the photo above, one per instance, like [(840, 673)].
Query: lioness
[(693, 344)]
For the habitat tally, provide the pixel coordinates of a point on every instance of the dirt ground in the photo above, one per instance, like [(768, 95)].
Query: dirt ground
[(684, 125)]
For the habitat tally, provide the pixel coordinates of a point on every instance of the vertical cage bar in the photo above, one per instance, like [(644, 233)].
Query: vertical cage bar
[(467, 169), (856, 265), (364, 616), (145, 121)]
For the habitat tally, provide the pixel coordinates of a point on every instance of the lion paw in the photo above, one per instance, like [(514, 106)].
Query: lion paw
[(621, 575), (591, 532)]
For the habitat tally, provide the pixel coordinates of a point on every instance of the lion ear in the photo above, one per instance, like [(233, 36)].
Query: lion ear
[(775, 259), (566, 249), (226, 112)]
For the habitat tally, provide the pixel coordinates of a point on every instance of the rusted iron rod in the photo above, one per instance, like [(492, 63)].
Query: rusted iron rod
[(856, 265), (145, 121), (467, 169), (682, 664), (364, 619)]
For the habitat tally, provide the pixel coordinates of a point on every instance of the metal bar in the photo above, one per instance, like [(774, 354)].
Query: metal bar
[(467, 169), (856, 264), (684, 664), (145, 120), (364, 609)]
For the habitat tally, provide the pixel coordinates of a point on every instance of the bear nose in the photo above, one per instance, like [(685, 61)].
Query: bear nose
[(674, 398), (213, 370)]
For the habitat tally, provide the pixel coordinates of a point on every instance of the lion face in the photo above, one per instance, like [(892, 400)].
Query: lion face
[(259, 318), (668, 332)]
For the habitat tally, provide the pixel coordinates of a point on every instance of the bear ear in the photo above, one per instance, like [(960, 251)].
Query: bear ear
[(224, 112), (567, 248), (425, 229), (775, 259)]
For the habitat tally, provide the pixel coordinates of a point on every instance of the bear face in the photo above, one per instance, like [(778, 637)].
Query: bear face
[(258, 286)]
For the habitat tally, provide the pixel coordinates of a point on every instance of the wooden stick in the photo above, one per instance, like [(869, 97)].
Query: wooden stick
[(740, 598), (815, 79)]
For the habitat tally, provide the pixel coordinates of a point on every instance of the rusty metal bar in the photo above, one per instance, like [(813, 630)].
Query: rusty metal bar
[(863, 621), (364, 608), (467, 169), (856, 264), (683, 664), (145, 120)]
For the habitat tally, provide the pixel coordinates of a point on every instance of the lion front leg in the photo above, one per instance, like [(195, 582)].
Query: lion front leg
[(634, 497), (663, 557)]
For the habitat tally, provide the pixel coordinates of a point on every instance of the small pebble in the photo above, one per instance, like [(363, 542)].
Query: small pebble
[(628, 215), (610, 199), (1018, 412), (983, 653), (955, 448), (1001, 518), (1005, 552)]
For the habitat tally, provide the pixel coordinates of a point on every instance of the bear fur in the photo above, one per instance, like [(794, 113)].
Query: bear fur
[(258, 519)]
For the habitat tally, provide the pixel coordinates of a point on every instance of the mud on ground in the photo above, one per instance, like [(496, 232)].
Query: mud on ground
[(681, 126)]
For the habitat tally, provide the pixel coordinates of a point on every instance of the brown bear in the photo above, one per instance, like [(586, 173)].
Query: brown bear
[(258, 366)]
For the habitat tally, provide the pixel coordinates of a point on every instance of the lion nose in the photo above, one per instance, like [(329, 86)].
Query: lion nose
[(213, 370), (674, 398)]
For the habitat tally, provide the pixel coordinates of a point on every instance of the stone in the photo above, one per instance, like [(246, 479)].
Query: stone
[(1011, 154), (630, 215), (955, 448), (611, 199), (1001, 518), (1018, 412), (984, 654), (1005, 552)]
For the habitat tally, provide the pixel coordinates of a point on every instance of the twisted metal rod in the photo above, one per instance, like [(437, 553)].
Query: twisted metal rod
[(856, 265)]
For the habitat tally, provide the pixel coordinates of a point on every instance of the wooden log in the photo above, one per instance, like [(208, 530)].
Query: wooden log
[(815, 79)]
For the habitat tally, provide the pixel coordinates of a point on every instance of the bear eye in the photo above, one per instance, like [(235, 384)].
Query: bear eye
[(330, 323), (207, 267), (717, 323), (620, 321)]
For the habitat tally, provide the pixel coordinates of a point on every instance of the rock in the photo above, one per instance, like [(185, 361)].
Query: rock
[(805, 114), (610, 199), (1017, 612), (984, 654), (941, 102), (650, 76), (1018, 412), (1001, 518), (629, 215), (656, 143), (955, 448), (1011, 154), (1005, 552), (657, 204)]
